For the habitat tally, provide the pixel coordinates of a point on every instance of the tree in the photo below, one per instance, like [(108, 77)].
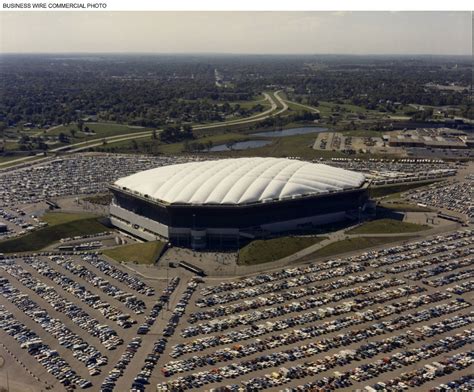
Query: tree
[(63, 138), (3, 126), (174, 134), (313, 102), (188, 131), (186, 146), (24, 139), (80, 125), (41, 144)]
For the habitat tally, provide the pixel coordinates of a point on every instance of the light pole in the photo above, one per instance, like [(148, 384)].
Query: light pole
[(168, 283)]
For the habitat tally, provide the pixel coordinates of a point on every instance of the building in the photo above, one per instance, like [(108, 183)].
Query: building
[(216, 203), (406, 141), (427, 141)]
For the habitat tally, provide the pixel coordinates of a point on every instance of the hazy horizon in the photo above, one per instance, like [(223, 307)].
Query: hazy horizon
[(198, 54), (238, 33)]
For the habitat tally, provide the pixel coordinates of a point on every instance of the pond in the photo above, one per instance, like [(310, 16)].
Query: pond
[(239, 145), (291, 132)]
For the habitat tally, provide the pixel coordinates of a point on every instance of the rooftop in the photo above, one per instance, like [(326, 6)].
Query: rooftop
[(239, 181)]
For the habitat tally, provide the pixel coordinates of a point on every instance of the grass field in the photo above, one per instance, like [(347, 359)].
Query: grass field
[(260, 100), (11, 146), (394, 190), (290, 146), (11, 157), (178, 148), (352, 244), (328, 108), (61, 227), (294, 146), (295, 107), (224, 138), (101, 130), (12, 162), (264, 251), (57, 218), (143, 253), (387, 226)]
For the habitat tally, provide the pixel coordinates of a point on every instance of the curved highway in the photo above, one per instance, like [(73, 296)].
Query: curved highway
[(76, 147)]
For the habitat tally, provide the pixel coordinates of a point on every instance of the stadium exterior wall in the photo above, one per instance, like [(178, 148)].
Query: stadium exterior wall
[(200, 226)]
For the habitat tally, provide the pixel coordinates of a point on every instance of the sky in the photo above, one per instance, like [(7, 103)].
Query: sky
[(438, 33)]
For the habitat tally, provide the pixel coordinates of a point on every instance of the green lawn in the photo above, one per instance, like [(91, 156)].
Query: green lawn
[(57, 218), (384, 190), (101, 130), (11, 146), (298, 108), (12, 157), (326, 109), (294, 146), (12, 162), (289, 146), (143, 253), (386, 226), (352, 244), (46, 236), (177, 148), (260, 100), (223, 138), (264, 251)]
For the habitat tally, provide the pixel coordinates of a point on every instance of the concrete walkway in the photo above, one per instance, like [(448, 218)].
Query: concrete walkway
[(230, 271)]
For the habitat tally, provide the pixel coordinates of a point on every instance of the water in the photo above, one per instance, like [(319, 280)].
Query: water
[(240, 145), (291, 132), (260, 143)]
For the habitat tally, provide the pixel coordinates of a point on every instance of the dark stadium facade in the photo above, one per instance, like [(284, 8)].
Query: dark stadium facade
[(217, 226)]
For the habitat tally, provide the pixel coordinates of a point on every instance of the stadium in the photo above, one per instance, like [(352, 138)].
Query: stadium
[(218, 203)]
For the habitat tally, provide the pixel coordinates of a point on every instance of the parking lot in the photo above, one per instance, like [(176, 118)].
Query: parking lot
[(17, 222), (394, 318), (390, 319), (453, 197), (276, 330), (80, 174), (85, 323)]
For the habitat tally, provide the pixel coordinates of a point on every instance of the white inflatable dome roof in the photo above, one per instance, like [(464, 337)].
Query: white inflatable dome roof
[(239, 181)]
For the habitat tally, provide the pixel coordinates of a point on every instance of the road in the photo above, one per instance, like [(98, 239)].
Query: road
[(76, 147), (314, 110), (281, 101), (139, 135)]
